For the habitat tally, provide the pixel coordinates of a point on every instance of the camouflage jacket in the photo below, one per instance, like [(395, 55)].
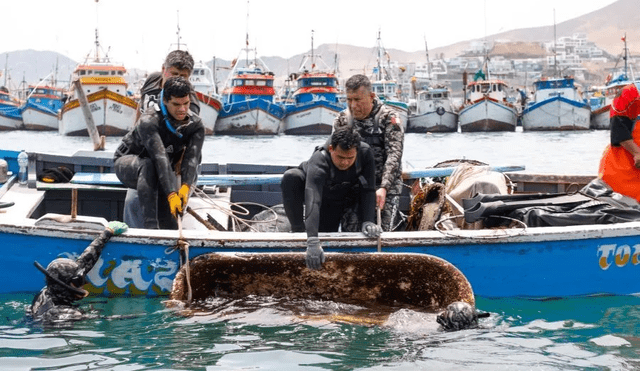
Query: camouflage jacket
[(387, 142)]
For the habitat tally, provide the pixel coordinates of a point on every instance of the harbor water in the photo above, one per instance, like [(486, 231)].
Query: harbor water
[(578, 333)]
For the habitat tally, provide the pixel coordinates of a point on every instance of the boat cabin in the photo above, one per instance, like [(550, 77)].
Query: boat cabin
[(202, 79), (312, 85), (101, 76), (494, 89)]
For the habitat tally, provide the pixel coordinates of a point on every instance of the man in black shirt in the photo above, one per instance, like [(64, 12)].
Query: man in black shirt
[(339, 176), (177, 63), (167, 140)]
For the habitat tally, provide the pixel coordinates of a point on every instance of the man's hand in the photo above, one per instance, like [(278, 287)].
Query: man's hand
[(381, 197), (371, 230), (175, 204), (183, 193), (117, 228), (315, 254)]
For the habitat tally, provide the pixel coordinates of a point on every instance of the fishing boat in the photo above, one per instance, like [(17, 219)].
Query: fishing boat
[(557, 104), (210, 103), (10, 116), (98, 93), (487, 108), (432, 112), (248, 100), (42, 109), (39, 223), (314, 102), (613, 87), (385, 86)]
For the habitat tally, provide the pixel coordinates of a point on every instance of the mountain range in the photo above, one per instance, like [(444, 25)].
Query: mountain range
[(605, 27)]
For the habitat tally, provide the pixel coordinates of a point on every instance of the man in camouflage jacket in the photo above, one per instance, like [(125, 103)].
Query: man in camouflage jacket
[(380, 127)]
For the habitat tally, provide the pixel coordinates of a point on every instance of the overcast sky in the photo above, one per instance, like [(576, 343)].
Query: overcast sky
[(139, 33)]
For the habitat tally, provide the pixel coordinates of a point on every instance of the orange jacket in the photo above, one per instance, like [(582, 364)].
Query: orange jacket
[(617, 167)]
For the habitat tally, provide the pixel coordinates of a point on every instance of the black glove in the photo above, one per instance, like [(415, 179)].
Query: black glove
[(315, 254), (371, 230)]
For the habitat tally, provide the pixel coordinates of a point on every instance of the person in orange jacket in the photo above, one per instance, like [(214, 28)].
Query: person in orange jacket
[(620, 162)]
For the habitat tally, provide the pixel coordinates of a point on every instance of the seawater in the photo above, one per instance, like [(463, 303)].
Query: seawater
[(581, 333)]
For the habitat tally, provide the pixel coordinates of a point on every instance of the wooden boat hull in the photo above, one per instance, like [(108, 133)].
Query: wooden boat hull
[(433, 122), (311, 118), (36, 117), (113, 115), (209, 109), (600, 118), (487, 115), (556, 113), (249, 117)]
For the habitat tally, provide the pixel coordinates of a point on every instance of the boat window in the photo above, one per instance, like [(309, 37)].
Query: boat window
[(261, 83), (250, 82), (237, 82), (486, 88), (499, 87)]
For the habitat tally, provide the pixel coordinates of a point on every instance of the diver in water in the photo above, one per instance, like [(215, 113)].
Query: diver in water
[(65, 278), (459, 315)]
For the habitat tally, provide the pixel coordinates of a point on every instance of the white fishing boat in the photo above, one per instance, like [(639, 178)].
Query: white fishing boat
[(432, 112), (98, 91), (210, 102), (487, 108), (557, 104)]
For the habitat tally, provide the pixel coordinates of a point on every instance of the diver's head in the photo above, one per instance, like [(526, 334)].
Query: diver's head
[(64, 279), (458, 316)]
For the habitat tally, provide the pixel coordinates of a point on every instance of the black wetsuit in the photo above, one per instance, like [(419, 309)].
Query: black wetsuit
[(55, 302), (327, 192), (147, 156), (150, 93)]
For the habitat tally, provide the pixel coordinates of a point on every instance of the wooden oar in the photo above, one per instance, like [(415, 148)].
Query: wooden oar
[(421, 281)]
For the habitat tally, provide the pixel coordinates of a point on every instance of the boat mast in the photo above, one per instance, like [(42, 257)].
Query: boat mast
[(555, 53), (313, 61), (625, 55)]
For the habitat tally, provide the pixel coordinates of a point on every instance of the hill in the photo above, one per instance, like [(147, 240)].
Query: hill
[(605, 27)]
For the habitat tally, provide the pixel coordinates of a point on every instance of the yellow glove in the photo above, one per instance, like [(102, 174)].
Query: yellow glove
[(183, 193), (175, 204)]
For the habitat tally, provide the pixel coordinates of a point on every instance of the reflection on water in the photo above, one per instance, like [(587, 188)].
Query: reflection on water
[(591, 333)]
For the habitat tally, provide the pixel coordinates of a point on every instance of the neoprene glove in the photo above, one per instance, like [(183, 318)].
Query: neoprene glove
[(117, 227), (315, 254), (175, 204), (371, 230), (183, 193)]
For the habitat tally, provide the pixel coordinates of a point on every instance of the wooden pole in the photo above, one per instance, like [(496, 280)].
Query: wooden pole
[(74, 203), (98, 142)]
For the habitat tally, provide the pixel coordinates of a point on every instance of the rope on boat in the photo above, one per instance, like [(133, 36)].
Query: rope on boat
[(235, 210)]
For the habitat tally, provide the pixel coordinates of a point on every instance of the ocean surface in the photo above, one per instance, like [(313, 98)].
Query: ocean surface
[(580, 333)]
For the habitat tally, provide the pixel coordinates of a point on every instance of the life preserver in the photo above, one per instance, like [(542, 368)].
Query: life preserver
[(440, 110)]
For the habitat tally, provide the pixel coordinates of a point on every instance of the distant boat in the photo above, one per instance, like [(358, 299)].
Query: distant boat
[(10, 116), (210, 102), (432, 111), (557, 104), (386, 87), (42, 109), (315, 103), (613, 87), (105, 88), (248, 100), (487, 108)]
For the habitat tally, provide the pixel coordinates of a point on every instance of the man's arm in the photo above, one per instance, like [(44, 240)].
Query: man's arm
[(317, 172), (193, 153), (155, 148), (91, 253)]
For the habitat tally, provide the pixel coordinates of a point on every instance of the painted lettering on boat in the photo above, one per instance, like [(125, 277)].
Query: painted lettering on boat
[(115, 108), (620, 255), (94, 107), (134, 277)]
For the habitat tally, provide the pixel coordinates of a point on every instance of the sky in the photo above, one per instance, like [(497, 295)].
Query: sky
[(139, 33)]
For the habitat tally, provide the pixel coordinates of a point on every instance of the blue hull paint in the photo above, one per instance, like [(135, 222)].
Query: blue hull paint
[(555, 267)]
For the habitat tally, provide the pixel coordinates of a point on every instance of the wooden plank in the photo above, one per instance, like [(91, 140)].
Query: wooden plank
[(98, 142)]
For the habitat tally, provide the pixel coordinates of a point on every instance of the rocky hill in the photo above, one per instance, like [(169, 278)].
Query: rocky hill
[(605, 27)]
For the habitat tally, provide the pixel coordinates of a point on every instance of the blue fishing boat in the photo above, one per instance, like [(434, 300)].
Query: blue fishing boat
[(557, 104), (248, 100), (42, 108), (315, 101), (38, 222), (10, 116)]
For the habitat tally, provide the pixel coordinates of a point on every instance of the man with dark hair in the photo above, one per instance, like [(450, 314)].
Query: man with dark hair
[(65, 278), (167, 142), (340, 175), (177, 63), (379, 127)]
